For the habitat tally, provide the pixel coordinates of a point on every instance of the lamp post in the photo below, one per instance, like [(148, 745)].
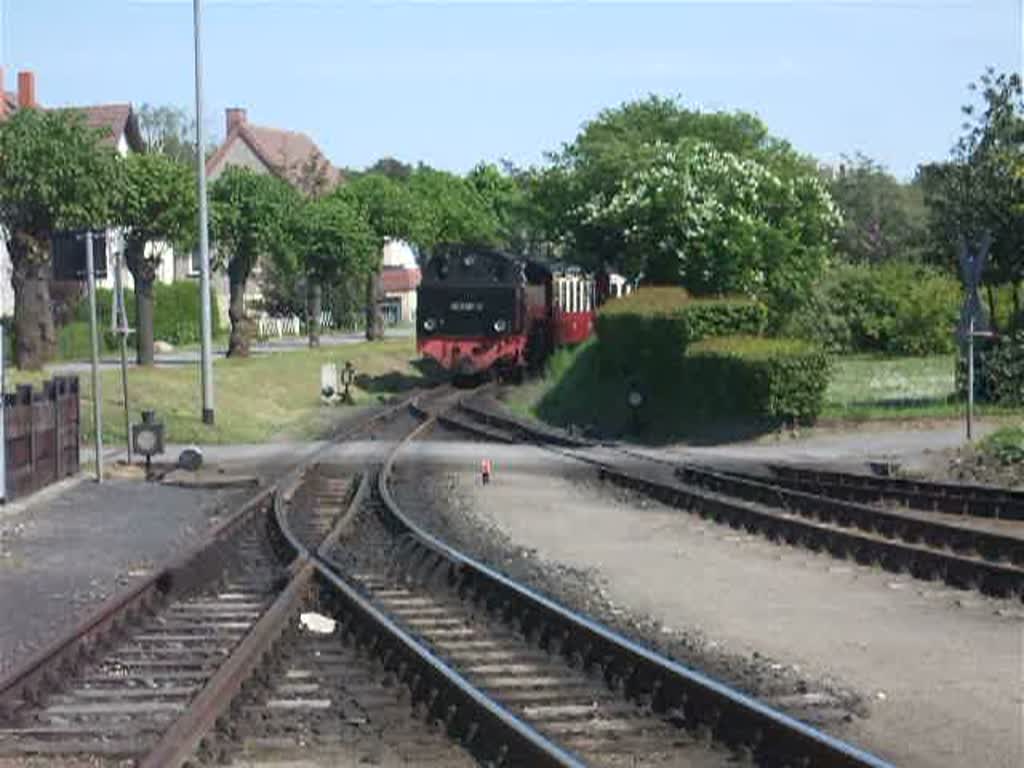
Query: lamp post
[(204, 243)]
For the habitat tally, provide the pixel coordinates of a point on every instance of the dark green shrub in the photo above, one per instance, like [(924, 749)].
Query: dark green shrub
[(894, 309), (753, 379), (175, 315), (999, 370), (1005, 445), (650, 329)]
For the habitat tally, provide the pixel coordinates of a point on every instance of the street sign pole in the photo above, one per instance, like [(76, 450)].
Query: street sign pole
[(204, 244), (970, 379), (122, 323), (97, 394)]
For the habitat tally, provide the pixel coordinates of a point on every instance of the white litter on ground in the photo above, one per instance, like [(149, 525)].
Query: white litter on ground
[(318, 623)]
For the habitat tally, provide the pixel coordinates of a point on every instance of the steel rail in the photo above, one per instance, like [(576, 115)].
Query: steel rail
[(734, 718), (746, 501), (81, 643), (952, 498), (181, 740)]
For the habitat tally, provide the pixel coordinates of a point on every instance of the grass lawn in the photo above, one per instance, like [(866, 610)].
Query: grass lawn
[(274, 396), (865, 388)]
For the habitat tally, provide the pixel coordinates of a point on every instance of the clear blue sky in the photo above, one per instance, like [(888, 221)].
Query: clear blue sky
[(454, 82)]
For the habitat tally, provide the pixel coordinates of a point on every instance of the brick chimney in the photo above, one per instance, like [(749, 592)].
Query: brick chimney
[(3, 96), (26, 90), (235, 117)]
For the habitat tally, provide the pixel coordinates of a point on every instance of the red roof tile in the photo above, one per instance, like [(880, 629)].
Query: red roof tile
[(399, 280), (291, 155), (117, 119)]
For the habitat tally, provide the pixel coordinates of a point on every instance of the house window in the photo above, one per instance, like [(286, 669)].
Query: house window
[(194, 263)]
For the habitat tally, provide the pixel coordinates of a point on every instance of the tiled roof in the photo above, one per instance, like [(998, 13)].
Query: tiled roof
[(117, 119), (399, 280), (291, 155)]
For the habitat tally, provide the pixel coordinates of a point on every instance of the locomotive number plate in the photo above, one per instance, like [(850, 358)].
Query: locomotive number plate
[(467, 306)]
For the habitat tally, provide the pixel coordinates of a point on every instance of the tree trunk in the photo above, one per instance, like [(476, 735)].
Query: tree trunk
[(374, 319), (144, 274), (992, 308), (238, 345), (1018, 320), (36, 337), (314, 304)]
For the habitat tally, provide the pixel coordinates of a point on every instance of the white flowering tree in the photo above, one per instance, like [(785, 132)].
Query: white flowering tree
[(718, 223)]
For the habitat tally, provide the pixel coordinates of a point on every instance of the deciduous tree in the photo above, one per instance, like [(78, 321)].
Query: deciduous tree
[(980, 189), (251, 215), (54, 173), (156, 207)]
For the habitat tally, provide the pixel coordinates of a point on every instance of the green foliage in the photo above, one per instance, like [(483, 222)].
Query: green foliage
[(894, 308), (176, 318), (649, 330), (752, 379), (54, 173), (387, 204), (1005, 445), (451, 210), (505, 194), (710, 200), (250, 217), (999, 370), (980, 189), (883, 219), (157, 199), (335, 240)]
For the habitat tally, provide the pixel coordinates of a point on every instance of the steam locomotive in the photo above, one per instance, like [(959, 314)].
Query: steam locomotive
[(482, 311)]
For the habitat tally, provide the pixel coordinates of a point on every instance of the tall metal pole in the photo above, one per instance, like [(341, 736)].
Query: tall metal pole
[(97, 393), (204, 243), (122, 328), (970, 379), (3, 420)]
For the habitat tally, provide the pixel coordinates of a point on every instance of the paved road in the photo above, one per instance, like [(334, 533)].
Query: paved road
[(191, 356)]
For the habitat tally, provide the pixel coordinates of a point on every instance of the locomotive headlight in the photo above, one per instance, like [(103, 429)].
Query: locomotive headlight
[(500, 326), (429, 325)]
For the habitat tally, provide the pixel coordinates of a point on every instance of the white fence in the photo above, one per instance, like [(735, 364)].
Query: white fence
[(268, 327)]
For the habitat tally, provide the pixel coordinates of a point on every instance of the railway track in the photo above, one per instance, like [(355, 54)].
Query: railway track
[(960, 549), (209, 661), (601, 698)]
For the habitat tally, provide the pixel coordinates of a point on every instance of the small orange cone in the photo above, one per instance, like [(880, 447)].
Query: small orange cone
[(485, 471)]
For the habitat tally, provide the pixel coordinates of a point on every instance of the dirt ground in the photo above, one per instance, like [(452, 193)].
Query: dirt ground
[(919, 673)]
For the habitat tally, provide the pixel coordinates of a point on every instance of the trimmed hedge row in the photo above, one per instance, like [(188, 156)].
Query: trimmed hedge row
[(743, 379), (651, 328), (175, 315)]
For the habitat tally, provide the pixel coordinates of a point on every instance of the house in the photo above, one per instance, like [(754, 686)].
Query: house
[(120, 127), (400, 276), (289, 155)]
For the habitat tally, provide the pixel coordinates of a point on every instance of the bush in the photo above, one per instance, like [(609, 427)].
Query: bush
[(176, 314), (894, 309), (650, 329), (999, 370), (1005, 445), (743, 378)]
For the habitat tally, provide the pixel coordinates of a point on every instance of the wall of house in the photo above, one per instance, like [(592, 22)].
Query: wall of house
[(6, 290), (408, 304), (238, 154)]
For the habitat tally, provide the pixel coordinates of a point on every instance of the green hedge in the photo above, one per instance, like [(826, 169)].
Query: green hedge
[(998, 370), (894, 309), (175, 315), (650, 329), (743, 379)]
